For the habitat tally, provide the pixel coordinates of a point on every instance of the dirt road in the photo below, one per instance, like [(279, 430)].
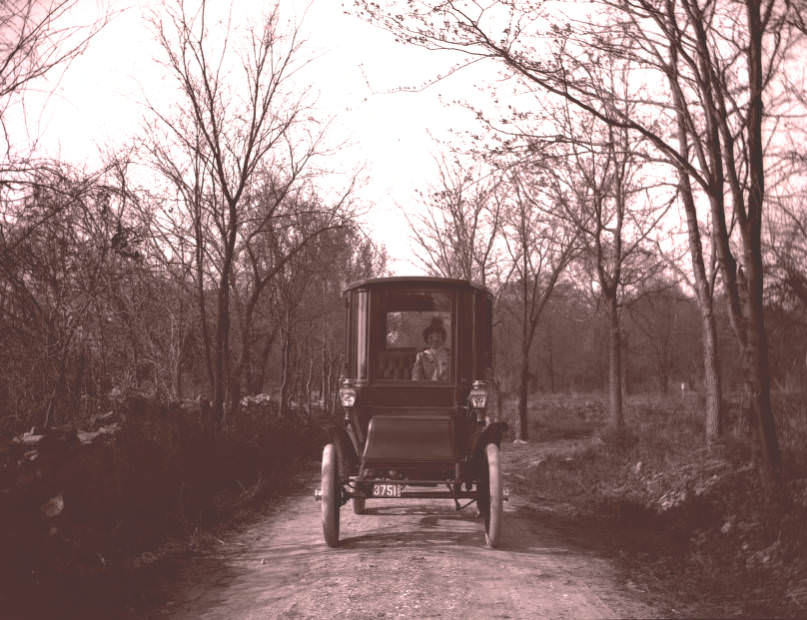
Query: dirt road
[(403, 559)]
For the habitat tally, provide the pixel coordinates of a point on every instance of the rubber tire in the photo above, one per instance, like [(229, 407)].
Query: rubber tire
[(358, 505), (330, 496), (493, 514)]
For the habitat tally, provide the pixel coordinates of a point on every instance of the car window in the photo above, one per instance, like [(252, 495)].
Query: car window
[(405, 328), (360, 329), (408, 317)]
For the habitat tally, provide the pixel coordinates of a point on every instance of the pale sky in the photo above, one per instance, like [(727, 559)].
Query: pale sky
[(97, 104)]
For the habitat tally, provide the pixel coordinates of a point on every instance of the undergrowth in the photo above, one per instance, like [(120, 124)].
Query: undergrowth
[(79, 524), (690, 521)]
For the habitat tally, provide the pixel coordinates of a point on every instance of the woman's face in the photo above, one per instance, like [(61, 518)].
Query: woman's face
[(435, 340)]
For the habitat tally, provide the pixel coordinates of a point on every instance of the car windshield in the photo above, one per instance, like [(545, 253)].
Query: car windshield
[(417, 337)]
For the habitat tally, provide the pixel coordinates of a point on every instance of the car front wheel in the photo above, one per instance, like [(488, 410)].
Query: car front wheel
[(330, 496), (491, 506)]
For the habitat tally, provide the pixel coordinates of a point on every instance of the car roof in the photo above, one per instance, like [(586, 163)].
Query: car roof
[(416, 281)]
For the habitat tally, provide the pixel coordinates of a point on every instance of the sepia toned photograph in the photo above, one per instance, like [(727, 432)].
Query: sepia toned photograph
[(458, 309)]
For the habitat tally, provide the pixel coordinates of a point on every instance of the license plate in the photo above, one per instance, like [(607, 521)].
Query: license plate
[(387, 490)]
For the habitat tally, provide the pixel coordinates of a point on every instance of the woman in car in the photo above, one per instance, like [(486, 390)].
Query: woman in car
[(431, 364)]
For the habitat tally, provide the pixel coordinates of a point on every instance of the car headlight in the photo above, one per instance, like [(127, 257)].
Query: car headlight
[(478, 396), (347, 395)]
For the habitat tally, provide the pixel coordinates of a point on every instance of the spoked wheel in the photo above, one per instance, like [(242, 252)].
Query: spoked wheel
[(330, 496), (490, 496), (358, 505)]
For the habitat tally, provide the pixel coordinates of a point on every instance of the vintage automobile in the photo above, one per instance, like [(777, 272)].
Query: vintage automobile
[(414, 400)]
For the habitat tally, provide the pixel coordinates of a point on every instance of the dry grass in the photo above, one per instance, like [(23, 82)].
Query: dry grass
[(691, 523)]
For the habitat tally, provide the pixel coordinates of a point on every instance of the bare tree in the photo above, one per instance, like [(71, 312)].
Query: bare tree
[(37, 38), (702, 278), (225, 131), (65, 283), (786, 245), (729, 53), (540, 246), (655, 313), (713, 54), (457, 234), (285, 251), (786, 286), (597, 179)]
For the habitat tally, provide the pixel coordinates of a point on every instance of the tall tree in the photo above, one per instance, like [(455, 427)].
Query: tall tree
[(283, 227), (239, 113), (64, 273), (37, 38), (658, 314), (597, 176), (540, 246), (728, 54), (458, 232)]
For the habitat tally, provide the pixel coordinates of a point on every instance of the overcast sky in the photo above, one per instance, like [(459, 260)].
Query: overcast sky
[(97, 104)]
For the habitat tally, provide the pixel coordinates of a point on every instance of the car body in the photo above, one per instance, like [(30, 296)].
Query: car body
[(415, 422)]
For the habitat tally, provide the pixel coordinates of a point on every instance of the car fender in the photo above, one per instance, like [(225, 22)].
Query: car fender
[(492, 433), (345, 450)]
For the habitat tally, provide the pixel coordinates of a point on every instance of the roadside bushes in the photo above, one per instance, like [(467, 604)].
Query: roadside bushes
[(78, 503), (684, 519)]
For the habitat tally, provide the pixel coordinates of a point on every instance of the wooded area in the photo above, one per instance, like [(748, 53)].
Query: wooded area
[(634, 125), (220, 279), (632, 195)]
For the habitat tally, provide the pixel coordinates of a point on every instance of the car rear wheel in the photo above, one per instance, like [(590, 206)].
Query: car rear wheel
[(330, 496), (491, 507)]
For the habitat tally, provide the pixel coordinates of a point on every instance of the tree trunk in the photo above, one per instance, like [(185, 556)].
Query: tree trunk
[(309, 380), (234, 393), (711, 376), (251, 376), (663, 377), (200, 292), (221, 351), (757, 340), (522, 431), (623, 363), (550, 360), (58, 390), (758, 371), (615, 414), (258, 381), (713, 421), (179, 385), (324, 391), (711, 358), (241, 367), (285, 370)]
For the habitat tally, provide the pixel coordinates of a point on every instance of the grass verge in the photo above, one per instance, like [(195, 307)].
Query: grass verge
[(690, 526)]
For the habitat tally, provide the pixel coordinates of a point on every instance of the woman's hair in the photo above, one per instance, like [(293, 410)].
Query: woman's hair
[(436, 326)]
